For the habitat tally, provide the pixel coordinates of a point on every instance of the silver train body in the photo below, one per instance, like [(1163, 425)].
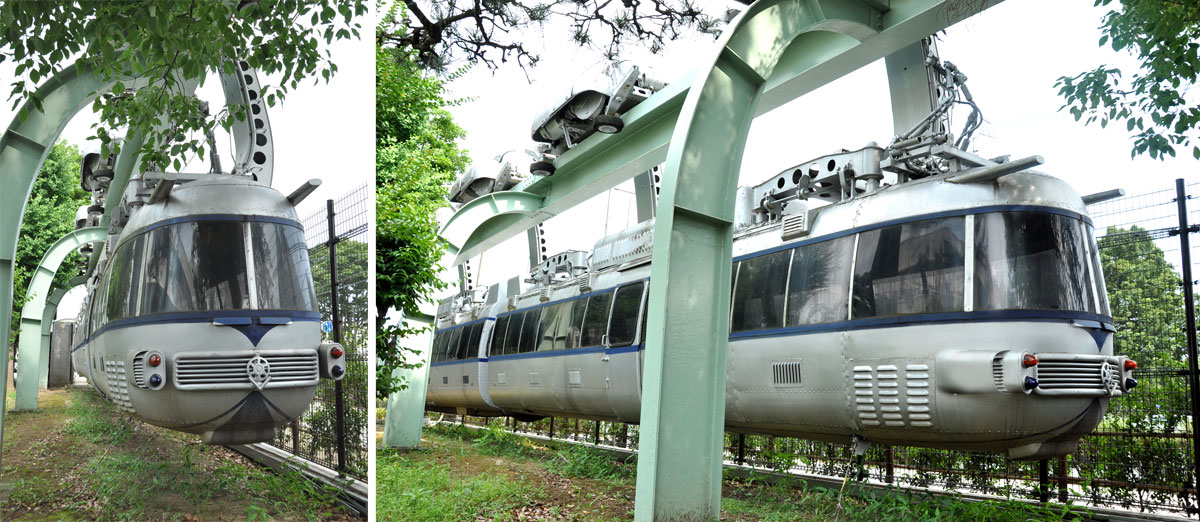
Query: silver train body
[(202, 316), (929, 313)]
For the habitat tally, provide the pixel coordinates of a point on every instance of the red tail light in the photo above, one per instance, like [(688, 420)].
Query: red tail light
[(154, 360), (1130, 365), (1029, 360), (336, 351)]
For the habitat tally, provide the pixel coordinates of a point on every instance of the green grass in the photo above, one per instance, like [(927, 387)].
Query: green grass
[(464, 474), (83, 460), (411, 490)]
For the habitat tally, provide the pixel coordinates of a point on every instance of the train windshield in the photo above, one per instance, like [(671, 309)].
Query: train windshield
[(211, 265), (1029, 260)]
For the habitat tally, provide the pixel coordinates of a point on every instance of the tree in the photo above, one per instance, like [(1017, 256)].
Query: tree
[(1145, 296), (416, 159), (49, 215), (485, 32), (164, 43), (1154, 104)]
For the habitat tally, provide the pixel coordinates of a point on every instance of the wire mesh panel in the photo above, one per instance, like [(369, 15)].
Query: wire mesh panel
[(317, 436)]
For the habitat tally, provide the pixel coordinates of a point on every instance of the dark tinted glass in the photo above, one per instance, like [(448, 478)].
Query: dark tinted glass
[(575, 334), (197, 266), (283, 276), (546, 328), (623, 328), (529, 330), (758, 297), (820, 282), (595, 319), (471, 350), (455, 342), (911, 268), (496, 346), (119, 275), (513, 335), (1029, 260), (1097, 272), (439, 347)]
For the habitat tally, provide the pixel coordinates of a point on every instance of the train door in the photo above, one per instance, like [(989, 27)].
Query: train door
[(622, 355)]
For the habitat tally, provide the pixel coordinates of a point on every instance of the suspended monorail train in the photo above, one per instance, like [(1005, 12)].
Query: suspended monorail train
[(963, 310), (200, 313), (204, 318)]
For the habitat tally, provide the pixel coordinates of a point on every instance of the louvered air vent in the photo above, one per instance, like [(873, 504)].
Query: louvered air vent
[(794, 226), (786, 372)]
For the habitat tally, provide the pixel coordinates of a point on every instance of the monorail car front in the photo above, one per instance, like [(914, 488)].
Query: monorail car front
[(202, 316)]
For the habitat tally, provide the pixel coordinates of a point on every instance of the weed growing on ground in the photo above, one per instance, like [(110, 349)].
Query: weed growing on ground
[(584, 462), (498, 442)]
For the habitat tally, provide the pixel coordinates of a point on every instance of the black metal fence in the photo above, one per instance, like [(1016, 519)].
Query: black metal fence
[(333, 432), (1141, 457)]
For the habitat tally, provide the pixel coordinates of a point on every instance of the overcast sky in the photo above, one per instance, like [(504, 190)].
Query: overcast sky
[(1012, 54), (324, 131)]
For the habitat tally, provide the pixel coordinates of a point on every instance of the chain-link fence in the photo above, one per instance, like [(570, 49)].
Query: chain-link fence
[(333, 432), (1141, 457)]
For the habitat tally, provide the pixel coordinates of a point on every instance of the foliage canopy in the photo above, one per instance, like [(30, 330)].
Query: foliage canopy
[(149, 48), (1164, 36), (416, 158)]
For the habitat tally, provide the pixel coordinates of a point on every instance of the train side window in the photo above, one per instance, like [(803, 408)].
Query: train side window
[(622, 330), (158, 266), (547, 327), (453, 344), (118, 273), (575, 334), (472, 349), (529, 330), (513, 335), (820, 282), (439, 347), (595, 319), (131, 286), (758, 301), (1030, 260), (910, 268), (496, 342)]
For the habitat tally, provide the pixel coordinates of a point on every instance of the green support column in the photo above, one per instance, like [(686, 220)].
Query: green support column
[(406, 408), (29, 347), (48, 315), (683, 400)]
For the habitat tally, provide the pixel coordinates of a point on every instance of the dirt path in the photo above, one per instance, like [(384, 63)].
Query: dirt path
[(77, 458)]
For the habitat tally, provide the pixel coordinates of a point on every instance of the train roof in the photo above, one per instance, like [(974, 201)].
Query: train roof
[(214, 195)]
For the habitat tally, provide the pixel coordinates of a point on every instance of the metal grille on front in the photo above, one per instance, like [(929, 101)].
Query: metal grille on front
[(139, 370), (1079, 375), (227, 370)]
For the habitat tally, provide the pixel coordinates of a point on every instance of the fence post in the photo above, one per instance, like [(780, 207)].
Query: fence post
[(339, 400), (596, 437), (891, 465), (1185, 252), (551, 427), (1062, 479), (1044, 480), (741, 457)]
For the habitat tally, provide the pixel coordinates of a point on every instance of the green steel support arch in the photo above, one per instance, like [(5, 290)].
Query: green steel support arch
[(409, 404), (774, 52), (29, 348), (48, 315)]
